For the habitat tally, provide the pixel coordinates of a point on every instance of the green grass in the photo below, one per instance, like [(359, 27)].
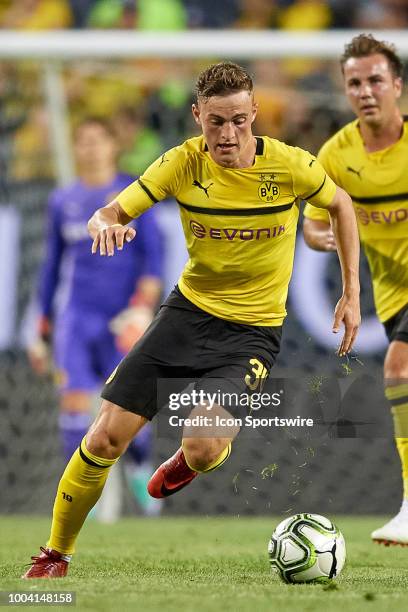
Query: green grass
[(199, 564)]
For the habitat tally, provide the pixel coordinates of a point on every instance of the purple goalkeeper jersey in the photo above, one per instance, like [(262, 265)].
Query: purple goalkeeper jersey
[(86, 282)]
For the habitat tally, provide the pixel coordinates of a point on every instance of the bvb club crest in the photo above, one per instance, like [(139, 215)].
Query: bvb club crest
[(268, 190)]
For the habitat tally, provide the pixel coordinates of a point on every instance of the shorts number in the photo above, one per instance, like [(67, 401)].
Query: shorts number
[(259, 373)]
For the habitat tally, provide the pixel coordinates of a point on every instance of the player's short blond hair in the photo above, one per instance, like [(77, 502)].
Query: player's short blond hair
[(365, 45), (222, 79)]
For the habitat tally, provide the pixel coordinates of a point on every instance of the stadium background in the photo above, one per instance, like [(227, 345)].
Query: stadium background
[(148, 99)]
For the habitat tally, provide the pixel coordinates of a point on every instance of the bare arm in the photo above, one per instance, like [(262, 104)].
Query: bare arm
[(321, 237), (108, 228), (348, 247)]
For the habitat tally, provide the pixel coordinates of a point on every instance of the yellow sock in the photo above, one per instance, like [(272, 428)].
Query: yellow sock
[(216, 463), (402, 446), (398, 396), (78, 491)]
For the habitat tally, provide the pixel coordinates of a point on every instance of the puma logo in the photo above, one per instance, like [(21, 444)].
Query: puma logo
[(163, 159), (200, 186), (349, 169), (311, 163)]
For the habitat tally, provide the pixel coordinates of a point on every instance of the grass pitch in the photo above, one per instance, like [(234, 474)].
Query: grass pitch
[(199, 564)]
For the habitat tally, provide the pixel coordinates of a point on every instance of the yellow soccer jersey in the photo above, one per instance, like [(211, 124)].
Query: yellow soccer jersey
[(378, 185), (240, 224)]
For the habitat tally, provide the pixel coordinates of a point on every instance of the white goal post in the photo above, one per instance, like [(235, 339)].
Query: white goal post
[(250, 44)]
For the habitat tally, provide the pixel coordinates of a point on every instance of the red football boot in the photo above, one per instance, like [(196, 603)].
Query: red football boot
[(50, 564), (171, 476)]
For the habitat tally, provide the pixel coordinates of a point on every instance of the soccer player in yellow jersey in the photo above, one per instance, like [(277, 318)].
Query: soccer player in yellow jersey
[(369, 158), (238, 196)]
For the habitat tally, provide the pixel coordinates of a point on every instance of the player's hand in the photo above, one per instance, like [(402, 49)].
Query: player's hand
[(319, 235), (112, 236), (347, 311), (129, 326), (39, 351), (39, 356), (328, 241)]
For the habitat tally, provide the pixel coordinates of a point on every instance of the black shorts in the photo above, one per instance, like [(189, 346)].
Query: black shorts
[(396, 328), (184, 342)]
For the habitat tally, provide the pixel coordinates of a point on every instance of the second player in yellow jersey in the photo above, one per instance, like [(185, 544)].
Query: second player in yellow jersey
[(378, 185), (369, 158)]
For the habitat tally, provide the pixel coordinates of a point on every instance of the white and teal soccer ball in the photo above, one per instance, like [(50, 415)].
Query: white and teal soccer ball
[(307, 548)]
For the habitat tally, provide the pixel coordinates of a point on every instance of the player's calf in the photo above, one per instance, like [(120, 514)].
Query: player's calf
[(204, 449), (207, 445), (176, 473), (203, 454), (81, 485)]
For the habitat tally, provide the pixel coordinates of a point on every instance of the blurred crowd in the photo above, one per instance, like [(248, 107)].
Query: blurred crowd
[(183, 14), (149, 100), (148, 103)]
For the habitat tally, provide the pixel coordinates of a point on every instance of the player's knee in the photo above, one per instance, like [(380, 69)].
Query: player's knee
[(395, 370), (112, 430), (101, 443), (201, 452), (396, 364)]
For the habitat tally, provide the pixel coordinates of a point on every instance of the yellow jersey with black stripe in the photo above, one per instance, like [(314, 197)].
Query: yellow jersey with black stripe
[(239, 224), (378, 185)]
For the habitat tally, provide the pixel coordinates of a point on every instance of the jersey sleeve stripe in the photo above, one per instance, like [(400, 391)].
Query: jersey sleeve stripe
[(236, 212), (148, 192), (384, 199), (317, 190)]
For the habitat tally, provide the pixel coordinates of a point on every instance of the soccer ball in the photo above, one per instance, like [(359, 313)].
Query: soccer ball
[(307, 548)]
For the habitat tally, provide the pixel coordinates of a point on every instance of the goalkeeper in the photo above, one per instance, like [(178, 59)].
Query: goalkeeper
[(368, 158), (94, 309)]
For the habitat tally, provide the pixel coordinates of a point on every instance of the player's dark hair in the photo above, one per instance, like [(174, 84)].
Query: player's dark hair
[(222, 79), (90, 120), (365, 45)]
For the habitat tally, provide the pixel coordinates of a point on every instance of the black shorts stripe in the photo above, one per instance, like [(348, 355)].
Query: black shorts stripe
[(317, 190), (89, 461), (384, 199), (148, 192), (236, 212)]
